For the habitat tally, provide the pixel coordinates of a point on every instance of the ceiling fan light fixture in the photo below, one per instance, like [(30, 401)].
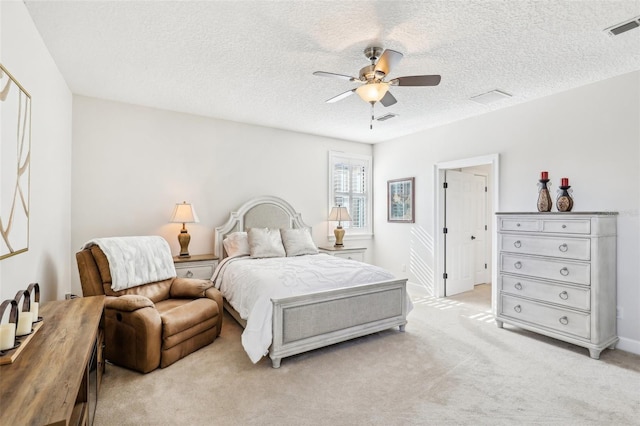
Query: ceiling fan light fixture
[(372, 92)]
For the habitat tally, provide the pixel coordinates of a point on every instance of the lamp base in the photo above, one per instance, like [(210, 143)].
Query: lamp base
[(339, 233), (184, 238)]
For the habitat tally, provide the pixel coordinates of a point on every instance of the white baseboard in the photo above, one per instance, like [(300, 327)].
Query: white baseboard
[(629, 345)]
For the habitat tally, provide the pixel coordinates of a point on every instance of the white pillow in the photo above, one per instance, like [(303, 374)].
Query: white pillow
[(264, 242), (236, 244), (298, 242)]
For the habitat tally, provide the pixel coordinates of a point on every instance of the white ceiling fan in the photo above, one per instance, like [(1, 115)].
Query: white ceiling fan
[(373, 86)]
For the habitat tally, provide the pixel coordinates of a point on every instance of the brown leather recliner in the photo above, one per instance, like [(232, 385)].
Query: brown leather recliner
[(152, 325)]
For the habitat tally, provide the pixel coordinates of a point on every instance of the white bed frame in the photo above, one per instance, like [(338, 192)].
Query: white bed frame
[(311, 321)]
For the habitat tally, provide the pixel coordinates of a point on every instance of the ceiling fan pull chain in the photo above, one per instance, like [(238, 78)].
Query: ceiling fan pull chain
[(371, 122)]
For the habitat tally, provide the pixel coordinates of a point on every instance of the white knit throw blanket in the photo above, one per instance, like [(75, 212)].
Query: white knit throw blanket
[(135, 261)]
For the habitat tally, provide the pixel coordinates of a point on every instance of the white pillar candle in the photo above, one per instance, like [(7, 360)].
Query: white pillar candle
[(24, 323), (7, 336), (34, 311)]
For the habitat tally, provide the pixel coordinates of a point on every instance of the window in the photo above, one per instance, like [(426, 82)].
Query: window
[(350, 186)]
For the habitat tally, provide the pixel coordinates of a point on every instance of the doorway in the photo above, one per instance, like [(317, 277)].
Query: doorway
[(464, 246)]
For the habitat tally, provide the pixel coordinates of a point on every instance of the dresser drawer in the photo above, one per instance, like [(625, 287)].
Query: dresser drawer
[(519, 224), (353, 256), (554, 269), (558, 319), (353, 253), (202, 272), (572, 297), (568, 226), (567, 248)]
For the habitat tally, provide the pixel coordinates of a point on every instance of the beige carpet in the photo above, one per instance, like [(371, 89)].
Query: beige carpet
[(451, 366)]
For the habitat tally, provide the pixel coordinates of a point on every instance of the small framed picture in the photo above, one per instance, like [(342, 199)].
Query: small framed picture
[(400, 200)]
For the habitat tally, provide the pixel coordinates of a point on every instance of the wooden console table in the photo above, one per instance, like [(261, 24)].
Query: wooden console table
[(51, 382)]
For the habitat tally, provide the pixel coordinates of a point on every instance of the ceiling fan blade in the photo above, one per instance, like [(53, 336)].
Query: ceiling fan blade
[(388, 99), (388, 60), (340, 96), (416, 80), (334, 75)]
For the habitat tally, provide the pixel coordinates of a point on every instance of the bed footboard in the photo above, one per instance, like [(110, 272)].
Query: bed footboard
[(306, 322)]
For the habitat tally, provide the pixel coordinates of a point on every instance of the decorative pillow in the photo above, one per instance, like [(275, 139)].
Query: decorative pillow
[(264, 242), (298, 242), (236, 244)]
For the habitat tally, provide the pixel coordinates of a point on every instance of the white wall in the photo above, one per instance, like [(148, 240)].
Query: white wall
[(132, 164), (590, 134), (48, 259)]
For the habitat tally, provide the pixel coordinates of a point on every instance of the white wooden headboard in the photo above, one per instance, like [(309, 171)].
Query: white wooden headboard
[(261, 212)]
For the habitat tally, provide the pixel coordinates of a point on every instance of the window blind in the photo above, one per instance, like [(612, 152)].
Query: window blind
[(350, 186)]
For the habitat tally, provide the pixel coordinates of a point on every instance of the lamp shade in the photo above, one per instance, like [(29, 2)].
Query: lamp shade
[(340, 214), (184, 213), (372, 92)]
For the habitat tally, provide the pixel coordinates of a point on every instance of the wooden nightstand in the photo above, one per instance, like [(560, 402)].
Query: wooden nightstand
[(199, 266), (353, 253)]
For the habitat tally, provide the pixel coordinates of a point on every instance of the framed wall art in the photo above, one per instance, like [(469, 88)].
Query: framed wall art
[(15, 165), (400, 200)]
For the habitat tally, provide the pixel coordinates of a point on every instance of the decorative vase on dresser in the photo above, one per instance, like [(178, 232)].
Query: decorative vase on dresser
[(544, 198), (557, 276)]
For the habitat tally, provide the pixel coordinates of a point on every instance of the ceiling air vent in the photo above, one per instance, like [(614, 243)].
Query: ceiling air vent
[(386, 117), (490, 97), (623, 27)]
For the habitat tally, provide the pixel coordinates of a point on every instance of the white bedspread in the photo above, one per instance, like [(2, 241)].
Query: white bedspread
[(135, 261), (250, 284)]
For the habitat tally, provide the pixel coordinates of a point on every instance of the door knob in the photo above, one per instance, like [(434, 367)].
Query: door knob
[(473, 238)]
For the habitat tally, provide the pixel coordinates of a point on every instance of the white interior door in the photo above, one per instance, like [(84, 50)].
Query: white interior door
[(488, 166), (459, 246), (480, 232)]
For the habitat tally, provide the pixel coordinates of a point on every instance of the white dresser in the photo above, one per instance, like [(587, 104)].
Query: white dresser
[(557, 276)]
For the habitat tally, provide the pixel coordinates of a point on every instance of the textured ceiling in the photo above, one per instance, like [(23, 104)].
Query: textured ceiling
[(252, 61)]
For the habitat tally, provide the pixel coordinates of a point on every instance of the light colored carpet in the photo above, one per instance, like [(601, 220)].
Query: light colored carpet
[(451, 366)]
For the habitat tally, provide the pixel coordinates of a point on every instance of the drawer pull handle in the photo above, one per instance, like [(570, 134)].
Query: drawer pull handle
[(517, 308), (518, 265), (189, 274), (564, 271), (564, 320), (518, 286), (564, 226), (518, 225), (563, 247), (564, 295), (517, 244)]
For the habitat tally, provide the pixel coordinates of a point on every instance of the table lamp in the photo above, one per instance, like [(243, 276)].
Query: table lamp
[(184, 213), (340, 214)]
